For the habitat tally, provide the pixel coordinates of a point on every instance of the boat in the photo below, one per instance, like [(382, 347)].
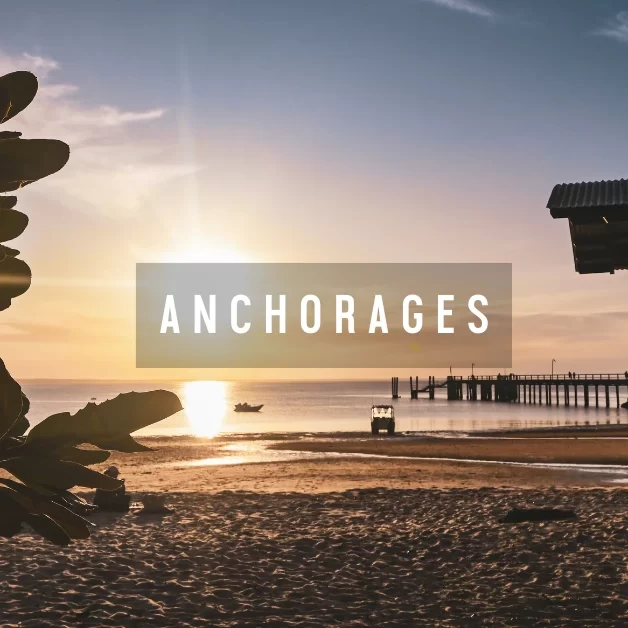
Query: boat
[(245, 407)]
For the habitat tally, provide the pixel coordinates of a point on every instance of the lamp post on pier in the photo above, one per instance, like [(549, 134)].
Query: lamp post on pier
[(553, 362)]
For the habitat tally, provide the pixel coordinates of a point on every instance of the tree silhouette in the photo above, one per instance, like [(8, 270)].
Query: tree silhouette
[(49, 461)]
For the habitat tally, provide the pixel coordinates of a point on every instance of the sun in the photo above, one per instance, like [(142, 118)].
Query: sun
[(205, 404)]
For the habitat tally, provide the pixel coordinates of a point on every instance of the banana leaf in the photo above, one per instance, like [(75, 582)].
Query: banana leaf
[(15, 280), (17, 91), (12, 222), (25, 161), (107, 425)]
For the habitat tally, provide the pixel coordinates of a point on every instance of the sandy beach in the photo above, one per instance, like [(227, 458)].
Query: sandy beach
[(377, 557), (338, 540)]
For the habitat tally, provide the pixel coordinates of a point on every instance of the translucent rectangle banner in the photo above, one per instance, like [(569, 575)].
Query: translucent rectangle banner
[(323, 315)]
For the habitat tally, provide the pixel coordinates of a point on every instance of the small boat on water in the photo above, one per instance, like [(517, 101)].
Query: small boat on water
[(245, 407)]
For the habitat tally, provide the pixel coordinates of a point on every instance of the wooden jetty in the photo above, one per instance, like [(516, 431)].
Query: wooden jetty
[(527, 389)]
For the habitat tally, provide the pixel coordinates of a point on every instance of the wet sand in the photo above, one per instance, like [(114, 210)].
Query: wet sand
[(283, 464), (520, 447), (338, 540)]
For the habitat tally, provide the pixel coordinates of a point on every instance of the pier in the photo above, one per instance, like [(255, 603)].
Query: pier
[(527, 389)]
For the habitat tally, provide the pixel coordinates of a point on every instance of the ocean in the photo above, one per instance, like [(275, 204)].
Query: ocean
[(310, 407)]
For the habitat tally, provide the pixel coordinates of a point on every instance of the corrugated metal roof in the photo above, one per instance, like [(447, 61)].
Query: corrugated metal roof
[(598, 223), (567, 197)]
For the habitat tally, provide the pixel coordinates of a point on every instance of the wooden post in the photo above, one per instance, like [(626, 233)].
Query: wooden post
[(452, 390), (575, 394), (586, 395), (597, 396), (567, 395), (608, 399), (617, 394)]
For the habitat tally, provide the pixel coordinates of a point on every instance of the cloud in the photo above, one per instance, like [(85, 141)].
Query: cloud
[(112, 166), (466, 6), (21, 331), (617, 28)]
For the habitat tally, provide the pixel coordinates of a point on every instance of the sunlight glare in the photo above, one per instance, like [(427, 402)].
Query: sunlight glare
[(205, 405), (195, 251)]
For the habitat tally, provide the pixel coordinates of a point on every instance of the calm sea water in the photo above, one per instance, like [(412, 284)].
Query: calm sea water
[(310, 407)]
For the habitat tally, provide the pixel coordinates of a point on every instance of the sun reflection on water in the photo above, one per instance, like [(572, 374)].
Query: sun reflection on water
[(205, 406)]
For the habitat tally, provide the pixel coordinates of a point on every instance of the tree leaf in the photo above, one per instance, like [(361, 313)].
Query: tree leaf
[(99, 424), (35, 503), (12, 223), (12, 513), (5, 103), (57, 474), (8, 202), (125, 443), (15, 280), (11, 400), (48, 528), (25, 161), (82, 456), (17, 91), (8, 251), (19, 428)]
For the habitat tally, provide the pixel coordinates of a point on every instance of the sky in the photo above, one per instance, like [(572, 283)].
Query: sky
[(313, 131)]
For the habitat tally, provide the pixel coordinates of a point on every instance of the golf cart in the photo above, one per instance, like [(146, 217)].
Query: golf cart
[(383, 417)]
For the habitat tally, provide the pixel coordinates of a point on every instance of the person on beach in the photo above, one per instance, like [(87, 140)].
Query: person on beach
[(115, 501)]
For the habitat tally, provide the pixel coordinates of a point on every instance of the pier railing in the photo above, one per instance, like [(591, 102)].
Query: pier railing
[(556, 376), (527, 389)]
